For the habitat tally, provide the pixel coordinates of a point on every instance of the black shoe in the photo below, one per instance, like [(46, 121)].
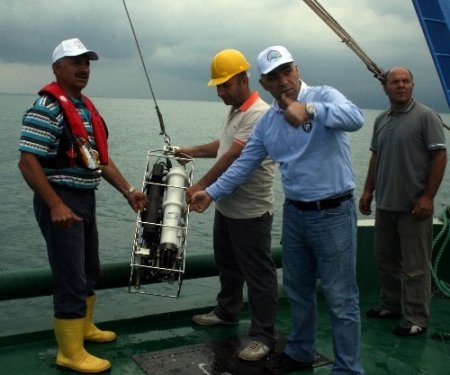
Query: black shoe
[(283, 364), (381, 313), (409, 330)]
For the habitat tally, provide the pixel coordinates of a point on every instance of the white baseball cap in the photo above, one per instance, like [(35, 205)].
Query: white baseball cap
[(72, 47), (273, 57)]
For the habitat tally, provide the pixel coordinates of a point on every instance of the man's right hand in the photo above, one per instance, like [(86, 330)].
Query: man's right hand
[(182, 156), (63, 216)]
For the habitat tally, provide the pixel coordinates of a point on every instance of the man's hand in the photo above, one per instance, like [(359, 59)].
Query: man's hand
[(200, 201), (423, 208), (190, 191), (137, 200), (182, 156), (295, 112), (63, 216), (365, 202)]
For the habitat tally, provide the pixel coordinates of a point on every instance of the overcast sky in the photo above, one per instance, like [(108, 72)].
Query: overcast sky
[(178, 38)]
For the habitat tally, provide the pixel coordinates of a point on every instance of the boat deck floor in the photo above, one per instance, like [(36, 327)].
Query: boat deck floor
[(158, 324)]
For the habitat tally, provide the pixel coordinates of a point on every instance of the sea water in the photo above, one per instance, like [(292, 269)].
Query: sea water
[(133, 131)]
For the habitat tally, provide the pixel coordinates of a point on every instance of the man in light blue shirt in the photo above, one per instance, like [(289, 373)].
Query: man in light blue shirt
[(305, 132)]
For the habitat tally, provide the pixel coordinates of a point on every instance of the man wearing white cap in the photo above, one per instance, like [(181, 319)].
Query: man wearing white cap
[(64, 154), (305, 132)]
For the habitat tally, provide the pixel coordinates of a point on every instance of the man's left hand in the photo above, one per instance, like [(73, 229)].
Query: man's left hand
[(137, 200), (295, 112), (200, 201), (423, 208)]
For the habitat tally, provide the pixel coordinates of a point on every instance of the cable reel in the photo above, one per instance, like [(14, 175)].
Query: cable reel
[(158, 255)]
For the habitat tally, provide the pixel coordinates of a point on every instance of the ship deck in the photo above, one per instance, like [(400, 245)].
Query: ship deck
[(158, 332), (161, 328)]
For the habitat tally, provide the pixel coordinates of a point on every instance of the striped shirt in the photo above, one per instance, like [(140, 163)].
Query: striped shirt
[(42, 129)]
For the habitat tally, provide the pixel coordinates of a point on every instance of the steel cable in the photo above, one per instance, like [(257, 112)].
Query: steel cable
[(160, 118)]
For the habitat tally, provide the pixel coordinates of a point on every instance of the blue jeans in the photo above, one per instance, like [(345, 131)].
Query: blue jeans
[(322, 243)]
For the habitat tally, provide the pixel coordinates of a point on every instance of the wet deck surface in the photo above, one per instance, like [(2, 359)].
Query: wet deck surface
[(216, 357), (159, 325)]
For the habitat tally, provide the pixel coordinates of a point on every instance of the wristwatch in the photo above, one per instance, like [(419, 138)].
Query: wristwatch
[(310, 110), (129, 191)]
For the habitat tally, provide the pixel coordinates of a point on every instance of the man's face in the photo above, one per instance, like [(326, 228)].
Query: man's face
[(399, 87), (72, 73), (232, 91), (283, 79)]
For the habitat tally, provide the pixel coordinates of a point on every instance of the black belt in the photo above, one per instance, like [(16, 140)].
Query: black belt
[(320, 205)]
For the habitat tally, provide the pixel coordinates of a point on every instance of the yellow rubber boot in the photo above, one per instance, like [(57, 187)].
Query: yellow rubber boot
[(71, 353), (91, 332)]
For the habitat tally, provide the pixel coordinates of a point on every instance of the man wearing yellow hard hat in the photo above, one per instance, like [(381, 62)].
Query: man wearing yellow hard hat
[(242, 222)]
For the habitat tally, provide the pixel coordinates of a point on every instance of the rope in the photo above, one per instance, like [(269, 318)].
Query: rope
[(160, 118), (442, 238), (346, 38), (378, 73)]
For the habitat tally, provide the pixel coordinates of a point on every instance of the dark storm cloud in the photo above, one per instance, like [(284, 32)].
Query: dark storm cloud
[(178, 39)]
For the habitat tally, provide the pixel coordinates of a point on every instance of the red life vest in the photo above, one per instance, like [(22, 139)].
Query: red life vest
[(74, 120)]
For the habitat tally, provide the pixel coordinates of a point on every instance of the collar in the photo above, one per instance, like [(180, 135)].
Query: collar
[(77, 101), (303, 88), (249, 102), (405, 110)]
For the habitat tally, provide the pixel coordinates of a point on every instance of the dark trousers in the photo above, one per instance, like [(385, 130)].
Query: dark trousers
[(242, 251), (403, 249), (72, 252)]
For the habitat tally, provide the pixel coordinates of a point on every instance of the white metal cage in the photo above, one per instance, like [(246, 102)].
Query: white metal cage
[(158, 256)]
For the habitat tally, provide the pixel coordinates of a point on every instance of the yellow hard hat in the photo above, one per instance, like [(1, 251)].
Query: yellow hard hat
[(226, 64)]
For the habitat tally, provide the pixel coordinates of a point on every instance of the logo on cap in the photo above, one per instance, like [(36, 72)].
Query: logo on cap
[(78, 44), (273, 55)]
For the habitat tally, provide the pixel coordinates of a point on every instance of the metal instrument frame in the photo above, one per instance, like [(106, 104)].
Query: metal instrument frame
[(164, 277)]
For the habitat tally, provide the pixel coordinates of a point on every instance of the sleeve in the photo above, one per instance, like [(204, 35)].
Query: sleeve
[(374, 140), (251, 157), (249, 120), (40, 129), (434, 131), (335, 111)]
